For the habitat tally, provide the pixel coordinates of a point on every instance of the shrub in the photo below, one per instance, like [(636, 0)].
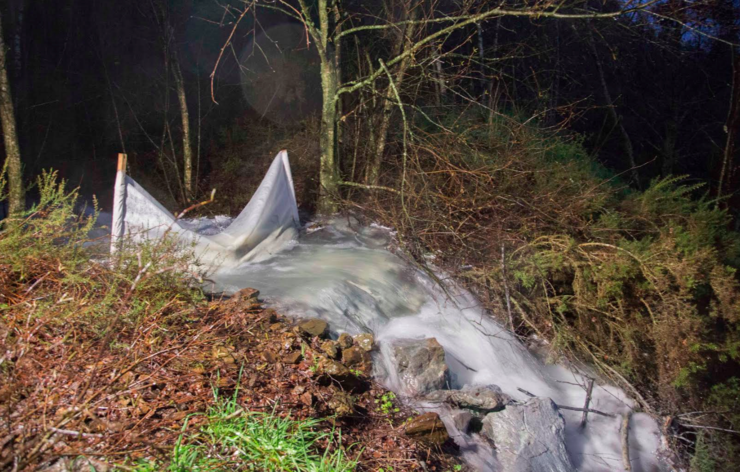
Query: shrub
[(642, 284)]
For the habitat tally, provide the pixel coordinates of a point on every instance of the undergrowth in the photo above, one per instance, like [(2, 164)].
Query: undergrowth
[(644, 285), (112, 363)]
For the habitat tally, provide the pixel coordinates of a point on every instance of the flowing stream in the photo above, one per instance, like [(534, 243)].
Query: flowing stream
[(346, 275)]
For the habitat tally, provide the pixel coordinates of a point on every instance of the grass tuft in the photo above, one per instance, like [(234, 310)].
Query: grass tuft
[(235, 439)]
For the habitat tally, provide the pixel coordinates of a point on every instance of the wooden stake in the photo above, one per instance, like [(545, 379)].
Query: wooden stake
[(626, 442), (588, 400), (119, 200)]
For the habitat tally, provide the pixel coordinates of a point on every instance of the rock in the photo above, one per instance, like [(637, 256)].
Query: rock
[(366, 341), (462, 420), (335, 373), (244, 295), (78, 464), (344, 341), (354, 356), (481, 399), (529, 437), (332, 368), (357, 359), (420, 364), (341, 403), (331, 349), (292, 357), (313, 327), (427, 428)]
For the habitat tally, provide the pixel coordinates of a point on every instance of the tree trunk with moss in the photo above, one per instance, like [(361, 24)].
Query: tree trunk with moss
[(328, 169), (16, 198)]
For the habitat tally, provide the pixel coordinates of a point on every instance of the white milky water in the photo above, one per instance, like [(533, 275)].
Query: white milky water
[(346, 276)]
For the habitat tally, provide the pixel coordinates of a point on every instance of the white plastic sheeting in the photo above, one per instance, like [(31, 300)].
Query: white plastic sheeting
[(267, 223)]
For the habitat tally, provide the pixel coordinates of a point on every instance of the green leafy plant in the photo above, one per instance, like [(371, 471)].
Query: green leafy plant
[(385, 403)]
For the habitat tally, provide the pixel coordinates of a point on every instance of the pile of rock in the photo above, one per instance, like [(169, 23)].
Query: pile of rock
[(343, 362), (526, 437)]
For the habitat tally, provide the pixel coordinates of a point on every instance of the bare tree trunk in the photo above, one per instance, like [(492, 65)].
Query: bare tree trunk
[(732, 126), (403, 43), (16, 198), (669, 146), (481, 53), (441, 86), (494, 90), (187, 149)]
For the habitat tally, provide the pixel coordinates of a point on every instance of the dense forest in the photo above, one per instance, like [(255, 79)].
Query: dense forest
[(574, 164)]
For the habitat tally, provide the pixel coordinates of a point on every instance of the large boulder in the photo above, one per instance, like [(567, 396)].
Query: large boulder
[(480, 399), (529, 437), (420, 365)]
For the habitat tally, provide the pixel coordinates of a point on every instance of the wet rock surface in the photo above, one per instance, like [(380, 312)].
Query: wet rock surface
[(365, 341), (313, 327), (330, 348), (480, 399), (529, 437), (420, 364), (345, 341)]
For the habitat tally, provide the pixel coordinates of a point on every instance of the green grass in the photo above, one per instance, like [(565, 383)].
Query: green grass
[(234, 439)]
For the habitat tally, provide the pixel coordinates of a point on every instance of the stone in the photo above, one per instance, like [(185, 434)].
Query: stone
[(332, 368), (354, 356), (344, 341), (244, 295), (357, 359), (313, 327), (330, 348), (78, 464), (292, 357), (427, 428), (341, 403), (529, 437), (462, 420), (481, 399), (420, 365), (365, 340)]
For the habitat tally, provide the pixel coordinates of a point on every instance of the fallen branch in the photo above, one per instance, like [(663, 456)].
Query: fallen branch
[(626, 441), (588, 401), (571, 408), (368, 187), (714, 428)]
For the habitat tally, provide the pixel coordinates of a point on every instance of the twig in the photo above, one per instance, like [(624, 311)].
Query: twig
[(626, 441), (588, 400), (226, 44), (69, 432), (698, 426), (506, 289), (571, 408)]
